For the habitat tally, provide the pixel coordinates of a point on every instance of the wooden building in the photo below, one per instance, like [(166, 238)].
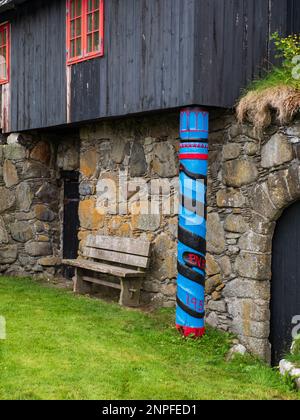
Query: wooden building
[(91, 89), (152, 55)]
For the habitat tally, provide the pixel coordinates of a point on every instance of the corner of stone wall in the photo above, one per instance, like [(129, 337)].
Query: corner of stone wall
[(252, 179), (29, 229)]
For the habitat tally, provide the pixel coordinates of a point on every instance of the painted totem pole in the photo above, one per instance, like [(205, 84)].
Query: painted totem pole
[(193, 158)]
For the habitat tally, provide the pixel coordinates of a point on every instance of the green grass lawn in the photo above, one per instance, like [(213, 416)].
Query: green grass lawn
[(64, 347)]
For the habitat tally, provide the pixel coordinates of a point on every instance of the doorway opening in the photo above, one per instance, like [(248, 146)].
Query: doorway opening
[(285, 286), (70, 219)]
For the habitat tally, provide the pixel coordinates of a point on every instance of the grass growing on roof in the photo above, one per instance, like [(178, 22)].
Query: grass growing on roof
[(64, 347), (278, 90)]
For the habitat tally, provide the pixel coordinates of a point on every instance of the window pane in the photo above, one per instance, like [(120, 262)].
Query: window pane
[(72, 49), (1, 38), (96, 41), (90, 5), (90, 22), (96, 21), (78, 27), (72, 11), (96, 4), (90, 43), (73, 29), (78, 7), (78, 47)]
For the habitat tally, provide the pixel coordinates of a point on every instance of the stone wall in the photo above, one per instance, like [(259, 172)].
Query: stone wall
[(143, 153), (252, 179), (139, 151), (30, 204)]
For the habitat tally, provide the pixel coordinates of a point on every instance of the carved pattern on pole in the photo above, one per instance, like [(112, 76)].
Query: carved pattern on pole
[(193, 156)]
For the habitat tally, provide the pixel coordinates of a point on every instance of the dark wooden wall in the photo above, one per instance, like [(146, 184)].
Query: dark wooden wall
[(159, 54), (233, 44), (38, 65), (147, 63)]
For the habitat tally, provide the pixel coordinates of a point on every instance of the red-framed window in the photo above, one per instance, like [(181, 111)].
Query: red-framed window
[(85, 30), (4, 52)]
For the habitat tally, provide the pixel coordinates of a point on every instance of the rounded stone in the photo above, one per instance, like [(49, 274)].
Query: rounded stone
[(3, 232), (10, 175), (165, 163), (236, 224), (137, 164), (43, 213), (254, 266), (14, 152), (212, 283), (230, 198), (7, 199), (215, 235), (89, 217), (88, 163), (212, 267), (8, 254), (231, 151), (237, 173), (41, 152), (277, 151), (251, 148), (36, 249), (24, 196), (21, 231), (225, 266)]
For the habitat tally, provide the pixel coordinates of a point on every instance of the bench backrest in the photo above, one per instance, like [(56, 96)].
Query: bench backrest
[(127, 251)]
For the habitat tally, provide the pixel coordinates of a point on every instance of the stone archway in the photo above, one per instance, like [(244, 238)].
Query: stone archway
[(252, 181), (253, 265)]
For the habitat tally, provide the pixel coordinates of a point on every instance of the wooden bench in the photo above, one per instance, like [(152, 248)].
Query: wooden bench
[(124, 258)]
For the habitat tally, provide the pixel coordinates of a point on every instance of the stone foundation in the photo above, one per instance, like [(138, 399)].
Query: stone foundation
[(29, 229), (142, 154), (252, 179)]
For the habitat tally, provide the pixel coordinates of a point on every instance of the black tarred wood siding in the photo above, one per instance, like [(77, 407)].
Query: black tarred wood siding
[(159, 54)]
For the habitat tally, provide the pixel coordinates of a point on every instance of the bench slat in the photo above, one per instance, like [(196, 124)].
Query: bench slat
[(116, 257), (104, 268), (125, 245), (102, 282)]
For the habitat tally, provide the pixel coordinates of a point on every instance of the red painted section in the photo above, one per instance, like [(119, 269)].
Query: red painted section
[(193, 156), (188, 332)]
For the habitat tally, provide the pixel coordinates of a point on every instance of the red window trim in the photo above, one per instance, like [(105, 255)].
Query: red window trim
[(3, 27), (85, 56)]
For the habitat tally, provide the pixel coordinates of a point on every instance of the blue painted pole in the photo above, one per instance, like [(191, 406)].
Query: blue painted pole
[(193, 157)]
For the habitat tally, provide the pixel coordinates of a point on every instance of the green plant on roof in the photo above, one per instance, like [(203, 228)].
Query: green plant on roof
[(278, 90)]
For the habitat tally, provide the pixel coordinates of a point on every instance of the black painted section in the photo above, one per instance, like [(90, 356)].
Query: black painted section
[(159, 54), (71, 219), (285, 290)]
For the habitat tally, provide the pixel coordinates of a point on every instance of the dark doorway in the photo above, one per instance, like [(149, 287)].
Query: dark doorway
[(70, 218), (285, 288)]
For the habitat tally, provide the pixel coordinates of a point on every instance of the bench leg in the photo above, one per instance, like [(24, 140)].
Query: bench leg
[(130, 292), (80, 286)]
